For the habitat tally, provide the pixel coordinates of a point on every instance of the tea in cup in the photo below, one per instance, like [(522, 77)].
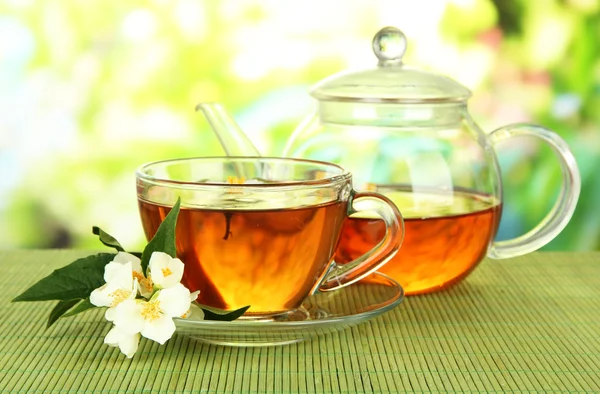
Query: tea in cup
[(262, 231)]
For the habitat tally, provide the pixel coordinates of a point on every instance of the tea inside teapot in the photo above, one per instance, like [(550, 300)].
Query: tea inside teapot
[(446, 235)]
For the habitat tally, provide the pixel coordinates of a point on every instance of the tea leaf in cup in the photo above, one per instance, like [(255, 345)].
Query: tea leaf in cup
[(164, 239)]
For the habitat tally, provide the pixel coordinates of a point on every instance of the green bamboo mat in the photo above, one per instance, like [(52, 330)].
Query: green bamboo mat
[(525, 324)]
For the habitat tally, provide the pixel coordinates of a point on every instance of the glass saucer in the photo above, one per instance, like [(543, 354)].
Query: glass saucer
[(319, 314)]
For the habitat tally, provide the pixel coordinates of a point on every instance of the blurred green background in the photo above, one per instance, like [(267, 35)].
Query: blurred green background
[(89, 90)]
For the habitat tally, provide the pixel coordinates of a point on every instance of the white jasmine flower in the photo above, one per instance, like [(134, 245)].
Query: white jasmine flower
[(199, 311), (146, 287), (154, 318), (165, 271), (122, 258), (121, 287), (127, 343)]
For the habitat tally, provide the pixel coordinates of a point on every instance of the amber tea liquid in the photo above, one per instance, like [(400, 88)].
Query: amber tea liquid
[(269, 259), (445, 237)]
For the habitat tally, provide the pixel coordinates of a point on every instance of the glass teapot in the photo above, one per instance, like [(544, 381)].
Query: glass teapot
[(407, 134)]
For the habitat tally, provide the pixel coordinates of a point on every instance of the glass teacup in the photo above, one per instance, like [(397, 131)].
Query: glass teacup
[(262, 231)]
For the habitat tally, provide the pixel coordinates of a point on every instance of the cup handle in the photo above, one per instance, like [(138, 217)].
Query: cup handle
[(562, 211), (341, 275)]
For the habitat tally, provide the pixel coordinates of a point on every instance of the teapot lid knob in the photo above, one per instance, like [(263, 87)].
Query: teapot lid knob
[(391, 81), (389, 45)]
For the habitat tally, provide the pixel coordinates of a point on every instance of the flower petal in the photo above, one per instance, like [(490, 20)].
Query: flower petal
[(124, 257), (165, 271), (113, 337), (188, 313), (194, 295), (136, 263), (159, 330), (118, 273), (146, 288), (128, 344), (175, 300), (198, 313), (195, 311), (100, 296), (105, 294), (128, 316), (134, 289), (110, 314)]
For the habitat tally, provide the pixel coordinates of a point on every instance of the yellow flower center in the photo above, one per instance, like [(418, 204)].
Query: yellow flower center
[(118, 296), (151, 310), (138, 276), (166, 272), (146, 283)]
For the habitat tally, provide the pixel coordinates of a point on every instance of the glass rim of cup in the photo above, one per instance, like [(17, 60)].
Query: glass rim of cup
[(343, 176)]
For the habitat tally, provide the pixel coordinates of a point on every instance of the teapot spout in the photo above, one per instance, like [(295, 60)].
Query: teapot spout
[(233, 140)]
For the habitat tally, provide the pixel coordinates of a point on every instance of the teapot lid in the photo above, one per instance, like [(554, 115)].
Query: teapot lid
[(391, 81)]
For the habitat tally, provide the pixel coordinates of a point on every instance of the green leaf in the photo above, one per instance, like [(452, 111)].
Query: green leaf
[(74, 281), (83, 306), (211, 313), (107, 239), (111, 241), (164, 239), (60, 309)]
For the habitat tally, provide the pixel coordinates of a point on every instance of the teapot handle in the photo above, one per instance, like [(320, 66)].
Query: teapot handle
[(562, 211)]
